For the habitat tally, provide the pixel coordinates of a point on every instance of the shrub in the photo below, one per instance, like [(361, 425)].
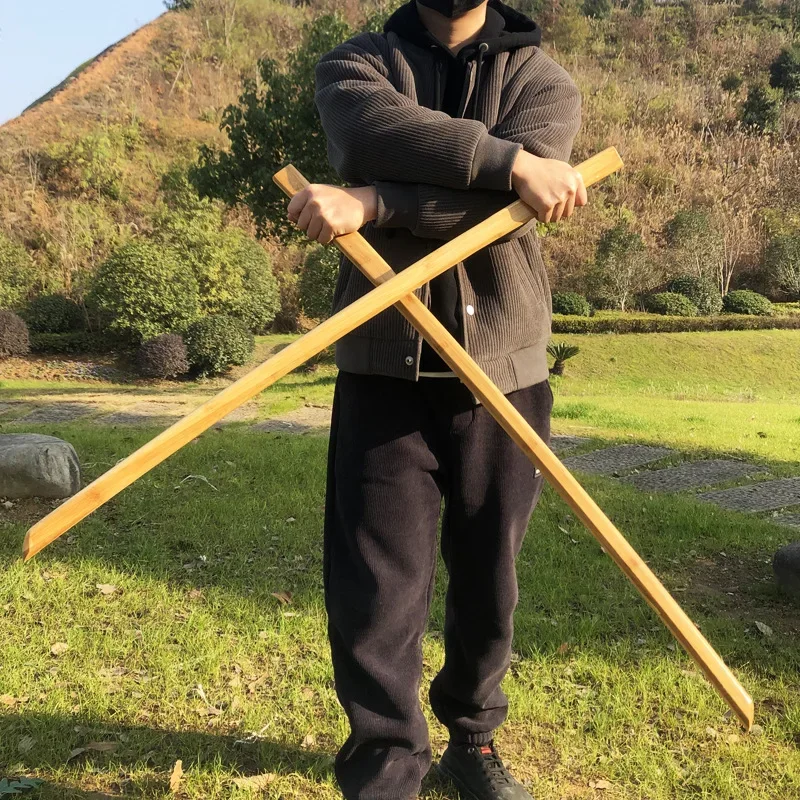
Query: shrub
[(318, 281), (743, 301), (701, 291), (571, 303), (163, 357), (731, 82), (16, 273), (259, 301), (214, 344), (670, 304), (14, 339), (782, 262), (53, 313), (597, 9), (72, 342), (633, 324), (144, 291), (762, 108), (561, 352), (622, 267), (784, 72)]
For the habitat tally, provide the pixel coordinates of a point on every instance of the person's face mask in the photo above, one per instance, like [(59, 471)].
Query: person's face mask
[(451, 8)]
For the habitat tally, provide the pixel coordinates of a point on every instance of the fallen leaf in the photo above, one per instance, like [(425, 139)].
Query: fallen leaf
[(102, 747), (284, 598), (26, 744), (764, 629), (756, 730), (733, 738), (76, 752), (308, 693), (255, 781), (195, 594), (601, 785), (106, 588), (59, 648), (175, 777), (309, 741), (8, 700), (291, 519), (563, 648), (712, 732)]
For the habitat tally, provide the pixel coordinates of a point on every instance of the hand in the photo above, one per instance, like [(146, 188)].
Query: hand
[(553, 189), (324, 211)]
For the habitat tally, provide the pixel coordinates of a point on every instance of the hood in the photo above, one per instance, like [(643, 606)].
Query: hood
[(505, 29)]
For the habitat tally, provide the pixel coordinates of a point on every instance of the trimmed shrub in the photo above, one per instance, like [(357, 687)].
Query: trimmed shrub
[(743, 301), (163, 357), (16, 273), (784, 72), (214, 344), (571, 303), (259, 300), (701, 291), (72, 342), (14, 339), (144, 291), (670, 304), (633, 324), (762, 108), (53, 313), (318, 281)]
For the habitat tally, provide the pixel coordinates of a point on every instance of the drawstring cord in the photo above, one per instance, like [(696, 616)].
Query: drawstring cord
[(483, 48)]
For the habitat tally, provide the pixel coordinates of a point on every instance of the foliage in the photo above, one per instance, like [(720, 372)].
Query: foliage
[(561, 353), (233, 272), (731, 81), (214, 344), (631, 323), (14, 339), (318, 281), (761, 111), (597, 9), (622, 267), (782, 262), (178, 5), (9, 787), (144, 290), (701, 291), (16, 273), (571, 303), (274, 123), (784, 72), (164, 356), (53, 313), (743, 301), (72, 342), (670, 304)]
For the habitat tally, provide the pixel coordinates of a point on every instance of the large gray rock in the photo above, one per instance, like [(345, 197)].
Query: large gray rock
[(34, 465), (786, 564)]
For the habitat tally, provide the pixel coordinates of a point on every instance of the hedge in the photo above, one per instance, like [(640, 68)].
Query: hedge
[(72, 343), (722, 322)]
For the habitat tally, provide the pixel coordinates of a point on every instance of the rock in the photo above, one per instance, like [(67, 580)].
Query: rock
[(786, 565), (34, 465)]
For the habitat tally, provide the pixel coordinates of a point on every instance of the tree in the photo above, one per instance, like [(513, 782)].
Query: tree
[(761, 111), (784, 72), (274, 123), (17, 277), (782, 262), (692, 241)]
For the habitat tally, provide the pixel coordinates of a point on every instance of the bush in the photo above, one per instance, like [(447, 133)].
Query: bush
[(163, 357), (144, 291), (561, 353), (14, 339), (571, 303), (633, 324), (743, 301), (72, 342), (784, 72), (762, 108), (782, 263), (731, 82), (622, 267), (53, 313), (16, 273), (598, 9), (214, 344), (670, 304), (259, 301), (318, 281), (701, 291)]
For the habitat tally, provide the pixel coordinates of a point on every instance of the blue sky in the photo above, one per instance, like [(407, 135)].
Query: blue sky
[(42, 41)]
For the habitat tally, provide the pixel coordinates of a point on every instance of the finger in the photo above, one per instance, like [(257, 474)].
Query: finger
[(546, 214), (569, 207), (581, 198), (314, 227), (558, 212), (305, 217), (326, 234), (297, 204)]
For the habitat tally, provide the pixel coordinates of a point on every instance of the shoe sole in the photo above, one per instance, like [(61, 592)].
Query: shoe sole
[(466, 794)]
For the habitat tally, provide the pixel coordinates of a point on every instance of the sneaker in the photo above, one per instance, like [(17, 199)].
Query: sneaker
[(479, 774)]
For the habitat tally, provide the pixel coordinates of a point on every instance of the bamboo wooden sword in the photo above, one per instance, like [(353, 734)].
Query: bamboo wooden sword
[(361, 253)]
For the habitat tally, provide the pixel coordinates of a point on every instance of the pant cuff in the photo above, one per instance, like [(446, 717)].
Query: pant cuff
[(472, 738)]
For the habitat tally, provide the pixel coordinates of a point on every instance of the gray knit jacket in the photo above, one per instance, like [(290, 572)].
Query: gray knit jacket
[(436, 176)]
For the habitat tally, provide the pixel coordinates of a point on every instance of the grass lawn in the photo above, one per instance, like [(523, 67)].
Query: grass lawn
[(189, 654)]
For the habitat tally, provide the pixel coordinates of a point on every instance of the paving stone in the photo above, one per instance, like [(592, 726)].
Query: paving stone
[(302, 420), (616, 459), (692, 476), (763, 496), (59, 412), (563, 444), (790, 520), (246, 413), (5, 407), (147, 413)]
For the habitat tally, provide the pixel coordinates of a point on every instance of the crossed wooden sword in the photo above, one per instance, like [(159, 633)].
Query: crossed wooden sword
[(398, 290)]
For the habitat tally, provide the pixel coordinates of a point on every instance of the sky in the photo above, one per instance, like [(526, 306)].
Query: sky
[(42, 41)]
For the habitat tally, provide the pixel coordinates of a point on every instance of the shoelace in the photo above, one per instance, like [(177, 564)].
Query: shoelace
[(493, 767)]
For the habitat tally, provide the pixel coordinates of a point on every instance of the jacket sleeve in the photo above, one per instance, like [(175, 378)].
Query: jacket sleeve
[(375, 132), (544, 121)]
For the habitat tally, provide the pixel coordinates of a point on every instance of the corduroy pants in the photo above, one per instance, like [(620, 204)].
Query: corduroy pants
[(397, 448)]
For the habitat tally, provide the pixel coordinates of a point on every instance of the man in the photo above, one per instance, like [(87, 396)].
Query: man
[(447, 116)]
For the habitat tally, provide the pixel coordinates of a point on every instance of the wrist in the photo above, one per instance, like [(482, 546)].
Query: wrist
[(368, 197)]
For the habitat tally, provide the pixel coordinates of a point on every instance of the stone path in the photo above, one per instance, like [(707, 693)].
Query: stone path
[(611, 460), (763, 496), (694, 475)]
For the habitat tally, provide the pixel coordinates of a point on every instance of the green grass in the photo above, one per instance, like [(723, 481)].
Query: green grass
[(598, 690)]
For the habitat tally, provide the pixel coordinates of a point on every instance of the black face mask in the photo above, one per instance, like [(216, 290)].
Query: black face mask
[(451, 8)]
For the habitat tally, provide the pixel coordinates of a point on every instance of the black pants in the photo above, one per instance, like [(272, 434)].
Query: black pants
[(396, 449)]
